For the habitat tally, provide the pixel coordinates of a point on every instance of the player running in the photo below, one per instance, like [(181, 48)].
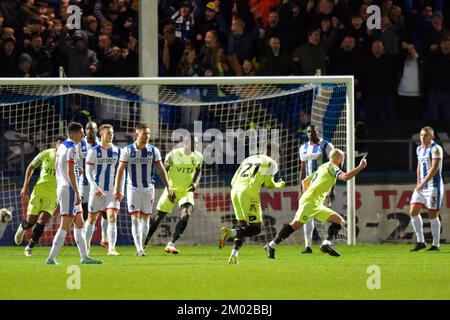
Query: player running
[(140, 159), (101, 165), (317, 186), (253, 173), (69, 196), (90, 141), (429, 189), (43, 201), (313, 153), (183, 166)]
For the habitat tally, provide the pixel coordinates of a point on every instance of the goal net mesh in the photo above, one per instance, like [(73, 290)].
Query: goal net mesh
[(32, 115)]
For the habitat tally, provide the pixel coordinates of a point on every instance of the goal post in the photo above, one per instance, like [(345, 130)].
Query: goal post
[(231, 96)]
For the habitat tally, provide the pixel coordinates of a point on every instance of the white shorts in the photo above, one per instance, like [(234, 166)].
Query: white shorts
[(66, 199), (84, 192), (140, 200), (97, 204), (430, 198)]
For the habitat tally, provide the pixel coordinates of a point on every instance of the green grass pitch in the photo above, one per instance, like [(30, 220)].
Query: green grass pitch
[(202, 272)]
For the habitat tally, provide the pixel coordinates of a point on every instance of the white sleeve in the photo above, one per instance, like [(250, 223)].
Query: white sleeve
[(437, 152), (79, 155), (124, 155), (157, 154), (91, 162), (300, 151), (72, 155), (328, 149)]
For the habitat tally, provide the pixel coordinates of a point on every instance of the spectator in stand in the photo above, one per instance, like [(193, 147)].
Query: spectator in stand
[(292, 19), (248, 68), (240, 42), (172, 50), (187, 66), (311, 57), (389, 35), (347, 59), (379, 83), (274, 29), (41, 66), (104, 51), (8, 58), (91, 28), (437, 81), (275, 62), (81, 61), (434, 35), (263, 8), (205, 23), (114, 64), (214, 62), (358, 31), (182, 19), (24, 66), (132, 55), (10, 11), (409, 89)]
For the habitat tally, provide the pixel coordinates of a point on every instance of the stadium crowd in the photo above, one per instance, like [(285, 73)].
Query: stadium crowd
[(35, 40), (402, 70)]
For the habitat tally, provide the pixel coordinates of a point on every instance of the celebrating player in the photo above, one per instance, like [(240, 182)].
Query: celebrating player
[(43, 201), (101, 165), (69, 196), (429, 189), (184, 170), (313, 153), (311, 205), (140, 158), (254, 172), (90, 141)]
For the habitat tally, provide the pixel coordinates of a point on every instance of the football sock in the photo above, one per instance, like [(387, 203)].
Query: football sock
[(80, 239), (37, 233), (436, 231), (89, 231), (58, 242), (238, 242), (135, 232), (104, 224), (247, 231), (308, 232), (112, 235), (234, 252), (26, 225), (180, 227), (144, 226), (333, 231), (154, 223), (285, 232), (418, 227)]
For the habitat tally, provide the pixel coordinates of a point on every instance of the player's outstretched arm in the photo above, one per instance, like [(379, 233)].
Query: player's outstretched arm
[(162, 173), (25, 192), (270, 183), (306, 183), (196, 180), (73, 181), (345, 176)]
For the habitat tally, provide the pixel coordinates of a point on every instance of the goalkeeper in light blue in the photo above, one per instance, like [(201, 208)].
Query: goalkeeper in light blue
[(316, 188), (253, 173)]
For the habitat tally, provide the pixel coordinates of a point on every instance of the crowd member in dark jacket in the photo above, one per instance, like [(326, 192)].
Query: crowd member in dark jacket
[(41, 57), (437, 81), (311, 56), (379, 83), (347, 59), (294, 25), (8, 58), (171, 50), (275, 62), (81, 61), (24, 66)]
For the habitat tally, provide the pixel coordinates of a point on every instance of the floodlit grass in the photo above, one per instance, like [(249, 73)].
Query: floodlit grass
[(202, 272)]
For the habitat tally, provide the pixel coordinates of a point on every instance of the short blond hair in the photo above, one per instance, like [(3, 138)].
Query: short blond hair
[(335, 152), (429, 129), (105, 126)]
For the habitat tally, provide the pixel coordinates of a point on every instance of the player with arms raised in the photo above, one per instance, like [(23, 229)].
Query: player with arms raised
[(253, 173), (183, 166), (69, 196), (43, 201), (311, 205), (139, 159), (313, 153), (429, 190), (101, 165)]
